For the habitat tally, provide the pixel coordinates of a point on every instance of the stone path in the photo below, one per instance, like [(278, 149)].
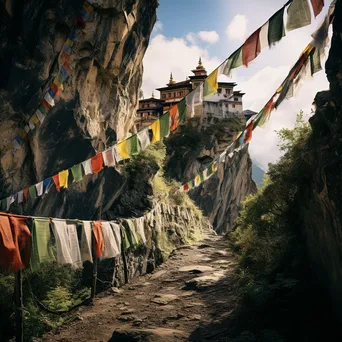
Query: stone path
[(185, 299)]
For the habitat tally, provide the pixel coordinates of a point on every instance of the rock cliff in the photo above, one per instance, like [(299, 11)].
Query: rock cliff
[(191, 150), (96, 108)]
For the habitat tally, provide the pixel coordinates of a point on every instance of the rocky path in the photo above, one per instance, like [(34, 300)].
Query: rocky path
[(185, 299)]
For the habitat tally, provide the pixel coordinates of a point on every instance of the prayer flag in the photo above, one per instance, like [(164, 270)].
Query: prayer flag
[(16, 145), (58, 84), (87, 167), (249, 132), (32, 191), (20, 196), (111, 249), (63, 178), (122, 149), (43, 110), (39, 188), (69, 42), (133, 145), (144, 138), (210, 84), (317, 6), (276, 29), (156, 131), (197, 180), (182, 110), (86, 253), (195, 98), (49, 99), (26, 193), (73, 35), (315, 61), (27, 129), (234, 61), (251, 48), (98, 237), (31, 125), (56, 181), (298, 15), (76, 172), (174, 117), (186, 187), (165, 125), (40, 116), (45, 104), (261, 118), (54, 90), (264, 36), (35, 119), (321, 34), (97, 163), (116, 154), (108, 157), (46, 184)]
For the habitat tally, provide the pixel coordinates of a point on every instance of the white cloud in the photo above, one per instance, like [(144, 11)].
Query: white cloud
[(210, 37), (237, 29), (158, 27), (191, 37), (174, 55)]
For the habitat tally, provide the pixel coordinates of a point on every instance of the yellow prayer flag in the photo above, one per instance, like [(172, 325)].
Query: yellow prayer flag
[(122, 149), (156, 131), (198, 180), (58, 83), (211, 85), (34, 118), (63, 178), (69, 42)]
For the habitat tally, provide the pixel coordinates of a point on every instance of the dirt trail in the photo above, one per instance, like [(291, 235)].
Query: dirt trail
[(183, 300)]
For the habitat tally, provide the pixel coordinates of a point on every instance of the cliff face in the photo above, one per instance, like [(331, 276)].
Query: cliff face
[(190, 151), (320, 203), (96, 108)]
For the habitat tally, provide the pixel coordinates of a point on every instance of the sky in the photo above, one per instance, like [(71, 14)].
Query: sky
[(213, 29)]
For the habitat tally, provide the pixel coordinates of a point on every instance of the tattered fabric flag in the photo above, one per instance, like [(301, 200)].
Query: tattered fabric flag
[(263, 115), (116, 153), (298, 15), (54, 90), (165, 125), (249, 132), (251, 48), (133, 145), (27, 129), (131, 233), (45, 104), (39, 187), (9, 201), (211, 84), (317, 6), (76, 172), (35, 119), (234, 61), (156, 131), (20, 196), (49, 99), (97, 163), (108, 157), (64, 72), (63, 178), (56, 181), (86, 253), (40, 116), (42, 250), (122, 149), (194, 99), (144, 138), (197, 180), (87, 167), (98, 238), (263, 37), (315, 61), (276, 29), (182, 110), (46, 184), (32, 191), (26, 193), (111, 249), (174, 117), (31, 125), (322, 33), (58, 84), (186, 187), (69, 42)]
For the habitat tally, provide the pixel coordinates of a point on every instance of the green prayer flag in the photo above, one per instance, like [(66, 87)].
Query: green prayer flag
[(210, 169), (202, 177), (131, 235), (182, 110), (234, 61), (276, 29), (298, 15), (133, 145), (165, 125), (125, 242), (33, 191), (42, 249), (76, 171), (315, 61)]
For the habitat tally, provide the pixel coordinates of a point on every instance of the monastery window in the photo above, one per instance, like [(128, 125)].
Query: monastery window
[(228, 91), (170, 94), (219, 90), (236, 99), (163, 96)]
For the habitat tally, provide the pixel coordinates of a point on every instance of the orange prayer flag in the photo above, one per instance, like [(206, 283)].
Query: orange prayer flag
[(45, 104), (249, 132), (56, 181), (251, 48), (98, 237), (97, 163), (174, 117), (26, 193)]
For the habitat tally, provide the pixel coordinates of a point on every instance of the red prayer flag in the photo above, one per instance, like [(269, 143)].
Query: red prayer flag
[(251, 48), (174, 117), (249, 132), (45, 104), (56, 181), (317, 6), (26, 193), (98, 238), (79, 22), (55, 89), (97, 163), (186, 187)]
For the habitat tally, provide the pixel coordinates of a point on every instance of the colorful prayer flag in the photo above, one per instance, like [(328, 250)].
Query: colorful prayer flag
[(32, 191), (263, 37), (87, 167), (182, 110), (174, 117), (276, 29), (40, 116), (35, 119), (165, 125), (20, 196), (133, 145), (54, 89), (97, 163), (315, 61), (194, 99), (26, 193), (298, 15), (211, 84), (46, 184), (63, 178), (55, 179), (144, 138), (317, 6), (108, 157), (249, 132), (39, 188), (156, 131), (234, 61), (251, 48), (122, 149), (263, 115), (76, 172), (49, 99)]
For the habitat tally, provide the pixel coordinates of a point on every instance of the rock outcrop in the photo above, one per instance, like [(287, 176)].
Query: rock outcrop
[(96, 108), (190, 151)]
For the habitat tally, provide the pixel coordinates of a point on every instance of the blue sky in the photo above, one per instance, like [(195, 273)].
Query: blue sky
[(213, 29)]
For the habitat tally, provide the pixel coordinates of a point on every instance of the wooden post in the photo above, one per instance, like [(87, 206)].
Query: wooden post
[(19, 323), (124, 260), (93, 286)]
